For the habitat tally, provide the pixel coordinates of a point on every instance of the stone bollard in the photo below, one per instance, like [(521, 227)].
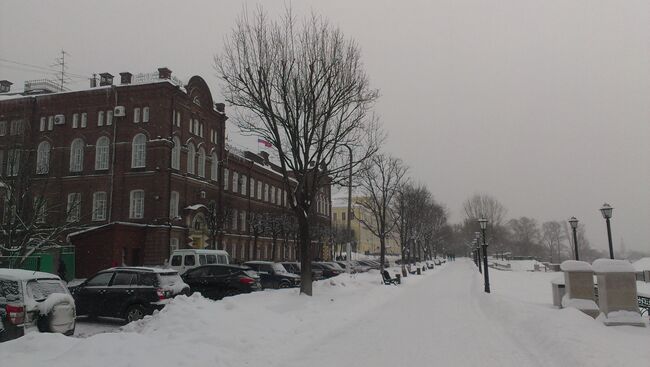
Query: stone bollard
[(579, 287), (617, 296), (557, 285)]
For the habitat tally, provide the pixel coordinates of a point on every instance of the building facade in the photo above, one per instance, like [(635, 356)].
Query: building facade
[(139, 169)]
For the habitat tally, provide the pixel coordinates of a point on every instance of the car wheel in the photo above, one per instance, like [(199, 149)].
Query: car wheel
[(284, 285), (134, 313)]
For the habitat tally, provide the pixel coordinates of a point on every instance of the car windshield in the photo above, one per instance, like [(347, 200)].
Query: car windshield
[(336, 266), (40, 289), (278, 268)]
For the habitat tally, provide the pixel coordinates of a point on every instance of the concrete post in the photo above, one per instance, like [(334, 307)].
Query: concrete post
[(617, 295), (579, 287)]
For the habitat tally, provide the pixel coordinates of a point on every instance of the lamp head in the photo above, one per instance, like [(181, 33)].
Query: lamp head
[(606, 211), (483, 222), (573, 222)]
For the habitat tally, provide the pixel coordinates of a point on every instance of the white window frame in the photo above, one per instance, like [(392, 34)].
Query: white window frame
[(235, 181), (75, 120), (252, 189), (234, 220), (136, 204), (244, 182), (43, 124), (176, 153), (259, 190), (102, 153), (77, 155), (84, 119), (225, 178), (109, 117), (145, 114), (40, 213), (100, 118), (201, 163), (214, 167), (73, 208), (43, 157), (173, 204), (3, 128), (191, 158), (139, 151), (99, 205), (136, 115)]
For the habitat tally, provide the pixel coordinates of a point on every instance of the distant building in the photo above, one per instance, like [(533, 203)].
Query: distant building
[(365, 241), (134, 166)]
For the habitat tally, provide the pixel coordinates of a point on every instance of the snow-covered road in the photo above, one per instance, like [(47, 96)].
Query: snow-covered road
[(440, 318)]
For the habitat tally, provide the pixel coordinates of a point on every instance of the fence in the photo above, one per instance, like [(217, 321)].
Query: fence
[(43, 261)]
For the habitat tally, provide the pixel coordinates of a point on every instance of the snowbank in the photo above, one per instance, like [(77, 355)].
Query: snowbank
[(580, 304), (642, 264), (612, 266), (622, 317), (573, 266)]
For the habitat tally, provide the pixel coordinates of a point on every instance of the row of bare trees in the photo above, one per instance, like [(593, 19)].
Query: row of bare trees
[(550, 241)]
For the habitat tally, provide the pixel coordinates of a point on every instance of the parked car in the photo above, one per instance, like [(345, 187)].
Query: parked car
[(217, 281), (34, 299), (294, 268), (355, 265), (327, 269), (274, 275), (128, 293), (183, 260), (370, 263)]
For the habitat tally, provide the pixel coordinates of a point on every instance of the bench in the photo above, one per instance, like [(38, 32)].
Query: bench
[(388, 280)]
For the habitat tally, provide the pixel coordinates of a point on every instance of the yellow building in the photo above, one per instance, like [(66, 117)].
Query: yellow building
[(366, 241)]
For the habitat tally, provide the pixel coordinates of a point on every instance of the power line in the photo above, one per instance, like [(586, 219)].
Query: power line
[(43, 68)]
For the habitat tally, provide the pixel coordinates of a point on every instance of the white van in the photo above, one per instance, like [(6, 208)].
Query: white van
[(183, 260)]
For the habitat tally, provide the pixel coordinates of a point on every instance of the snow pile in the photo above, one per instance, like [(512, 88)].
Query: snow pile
[(612, 266), (575, 266), (520, 265), (622, 317), (579, 303), (642, 264)]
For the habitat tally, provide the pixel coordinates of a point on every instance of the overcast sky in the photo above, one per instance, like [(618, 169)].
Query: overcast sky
[(543, 104)]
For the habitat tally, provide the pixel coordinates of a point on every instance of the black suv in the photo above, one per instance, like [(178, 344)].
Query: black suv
[(274, 275), (129, 293), (294, 268), (218, 281), (328, 270)]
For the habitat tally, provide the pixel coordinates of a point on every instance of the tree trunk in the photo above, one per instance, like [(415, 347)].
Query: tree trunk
[(305, 256), (382, 252)]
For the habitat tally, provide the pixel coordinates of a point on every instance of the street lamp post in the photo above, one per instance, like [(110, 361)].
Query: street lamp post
[(478, 255), (574, 225), (606, 211), (483, 222)]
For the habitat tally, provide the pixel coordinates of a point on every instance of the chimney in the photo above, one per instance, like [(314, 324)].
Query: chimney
[(265, 156), (5, 86), (105, 79), (164, 73), (93, 81), (125, 77), (221, 107)]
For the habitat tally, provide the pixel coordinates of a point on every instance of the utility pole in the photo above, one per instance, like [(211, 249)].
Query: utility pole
[(349, 218), (62, 76)]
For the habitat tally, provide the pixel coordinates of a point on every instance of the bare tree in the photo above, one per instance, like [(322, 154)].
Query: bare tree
[(553, 238), (217, 217), (380, 181), (302, 87), (525, 235), (257, 225), (31, 219), (484, 206)]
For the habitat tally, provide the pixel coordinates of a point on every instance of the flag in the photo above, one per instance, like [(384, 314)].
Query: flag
[(264, 142)]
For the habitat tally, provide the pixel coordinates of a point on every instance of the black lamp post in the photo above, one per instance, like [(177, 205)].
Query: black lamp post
[(606, 211), (483, 222), (478, 255), (574, 225)]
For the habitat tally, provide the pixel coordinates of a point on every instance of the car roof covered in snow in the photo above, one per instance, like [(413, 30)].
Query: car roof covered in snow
[(143, 268), (20, 274)]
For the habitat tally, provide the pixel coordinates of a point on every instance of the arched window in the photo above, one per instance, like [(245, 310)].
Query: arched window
[(139, 151), (214, 167), (43, 158), (176, 153), (201, 168), (101, 153), (77, 155), (191, 155), (136, 208), (198, 222)]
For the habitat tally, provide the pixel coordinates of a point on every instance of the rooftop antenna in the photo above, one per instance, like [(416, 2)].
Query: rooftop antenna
[(62, 75)]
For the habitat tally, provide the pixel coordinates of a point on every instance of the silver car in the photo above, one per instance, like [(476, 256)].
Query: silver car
[(32, 299)]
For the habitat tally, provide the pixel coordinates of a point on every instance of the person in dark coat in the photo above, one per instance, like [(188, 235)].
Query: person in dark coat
[(62, 270)]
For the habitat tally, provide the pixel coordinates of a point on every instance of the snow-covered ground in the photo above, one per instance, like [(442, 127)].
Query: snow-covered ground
[(440, 318)]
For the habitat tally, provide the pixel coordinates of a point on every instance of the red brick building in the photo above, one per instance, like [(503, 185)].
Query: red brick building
[(134, 167)]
